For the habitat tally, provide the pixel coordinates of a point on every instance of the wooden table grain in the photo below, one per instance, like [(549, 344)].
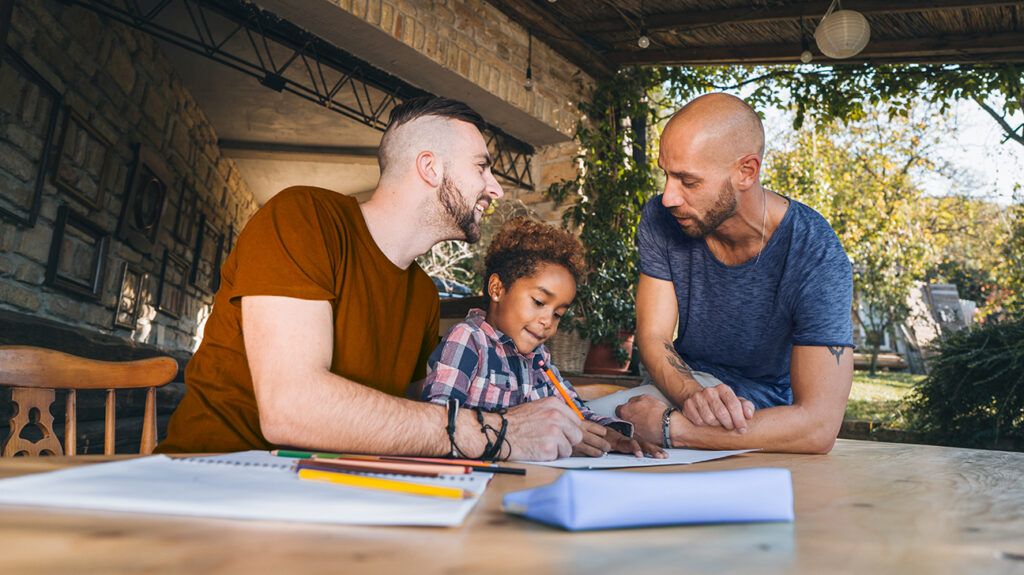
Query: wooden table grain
[(865, 508)]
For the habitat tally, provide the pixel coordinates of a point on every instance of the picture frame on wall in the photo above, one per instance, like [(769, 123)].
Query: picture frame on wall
[(129, 300), (205, 273), (144, 201), (29, 105), (185, 219), (78, 254), (83, 161), (170, 297), (6, 11)]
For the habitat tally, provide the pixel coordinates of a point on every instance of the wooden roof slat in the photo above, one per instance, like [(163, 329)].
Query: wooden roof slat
[(601, 36), (814, 9), (989, 45)]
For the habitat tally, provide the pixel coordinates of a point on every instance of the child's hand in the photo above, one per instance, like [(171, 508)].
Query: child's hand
[(637, 446), (595, 442)]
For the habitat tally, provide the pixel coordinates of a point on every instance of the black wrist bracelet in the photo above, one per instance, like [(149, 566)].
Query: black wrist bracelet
[(666, 424), (484, 429), (500, 441), (453, 415)]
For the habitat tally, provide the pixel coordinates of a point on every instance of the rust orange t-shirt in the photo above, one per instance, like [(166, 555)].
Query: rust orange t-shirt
[(307, 243)]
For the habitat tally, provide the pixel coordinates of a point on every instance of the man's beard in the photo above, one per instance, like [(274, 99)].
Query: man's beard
[(462, 215), (723, 209)]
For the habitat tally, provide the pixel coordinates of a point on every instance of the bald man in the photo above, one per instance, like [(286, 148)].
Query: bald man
[(761, 290), (323, 317)]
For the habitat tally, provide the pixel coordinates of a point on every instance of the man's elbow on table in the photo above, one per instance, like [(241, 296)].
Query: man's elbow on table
[(821, 437), (280, 420), (822, 443)]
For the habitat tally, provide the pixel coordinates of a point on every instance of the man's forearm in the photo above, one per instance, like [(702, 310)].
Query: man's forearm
[(670, 373), (787, 429), (330, 413)]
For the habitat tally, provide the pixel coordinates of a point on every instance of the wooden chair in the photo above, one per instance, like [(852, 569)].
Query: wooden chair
[(35, 373)]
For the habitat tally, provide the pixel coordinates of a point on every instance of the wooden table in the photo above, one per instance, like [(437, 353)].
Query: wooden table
[(866, 508)]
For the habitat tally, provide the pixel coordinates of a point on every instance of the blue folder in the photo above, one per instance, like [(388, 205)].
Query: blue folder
[(586, 500)]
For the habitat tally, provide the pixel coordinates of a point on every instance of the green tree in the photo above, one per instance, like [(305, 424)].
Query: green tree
[(1010, 271), (965, 247)]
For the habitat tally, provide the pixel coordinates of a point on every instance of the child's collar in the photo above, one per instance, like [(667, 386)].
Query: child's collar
[(478, 318)]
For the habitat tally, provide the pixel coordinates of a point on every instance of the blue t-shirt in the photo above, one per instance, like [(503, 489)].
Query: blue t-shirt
[(740, 323)]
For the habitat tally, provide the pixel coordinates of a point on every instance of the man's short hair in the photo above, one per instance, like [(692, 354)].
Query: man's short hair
[(419, 107)]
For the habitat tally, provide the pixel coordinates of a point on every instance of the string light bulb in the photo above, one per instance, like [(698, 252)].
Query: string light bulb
[(806, 56), (644, 41)]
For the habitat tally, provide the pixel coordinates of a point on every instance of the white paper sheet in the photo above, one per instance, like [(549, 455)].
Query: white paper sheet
[(249, 485), (617, 460)]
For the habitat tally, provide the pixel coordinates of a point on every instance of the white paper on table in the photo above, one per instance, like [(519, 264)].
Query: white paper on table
[(250, 485), (617, 460)]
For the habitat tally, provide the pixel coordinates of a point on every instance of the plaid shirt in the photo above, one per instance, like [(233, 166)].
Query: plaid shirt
[(481, 367)]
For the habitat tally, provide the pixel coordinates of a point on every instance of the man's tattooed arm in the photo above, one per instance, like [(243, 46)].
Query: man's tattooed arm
[(837, 351), (677, 362)]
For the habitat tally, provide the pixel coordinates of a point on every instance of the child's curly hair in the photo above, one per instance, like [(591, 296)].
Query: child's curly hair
[(522, 244)]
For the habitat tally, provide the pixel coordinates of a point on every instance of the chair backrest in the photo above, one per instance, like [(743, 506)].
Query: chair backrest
[(35, 373)]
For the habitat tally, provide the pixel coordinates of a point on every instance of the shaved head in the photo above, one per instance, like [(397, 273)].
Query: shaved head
[(711, 152), (722, 127), (400, 145)]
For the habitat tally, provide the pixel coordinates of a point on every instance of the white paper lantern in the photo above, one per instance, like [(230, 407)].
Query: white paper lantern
[(842, 34)]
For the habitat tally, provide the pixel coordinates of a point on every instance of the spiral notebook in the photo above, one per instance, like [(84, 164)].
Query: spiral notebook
[(250, 485)]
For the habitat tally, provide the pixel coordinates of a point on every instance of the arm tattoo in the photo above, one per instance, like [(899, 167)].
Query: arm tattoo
[(836, 350), (677, 362)]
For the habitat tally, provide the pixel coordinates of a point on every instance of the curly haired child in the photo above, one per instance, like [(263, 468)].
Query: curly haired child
[(496, 359)]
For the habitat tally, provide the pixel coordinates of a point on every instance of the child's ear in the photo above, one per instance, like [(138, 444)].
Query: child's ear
[(495, 289)]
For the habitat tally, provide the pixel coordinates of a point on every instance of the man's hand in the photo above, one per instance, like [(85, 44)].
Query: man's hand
[(644, 412), (543, 430), (637, 446), (595, 440), (718, 405)]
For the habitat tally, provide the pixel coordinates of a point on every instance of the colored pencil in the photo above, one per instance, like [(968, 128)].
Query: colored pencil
[(561, 390), (377, 466), (292, 453), (474, 464), (365, 482)]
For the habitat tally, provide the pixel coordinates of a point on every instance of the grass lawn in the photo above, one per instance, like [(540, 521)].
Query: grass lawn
[(880, 398)]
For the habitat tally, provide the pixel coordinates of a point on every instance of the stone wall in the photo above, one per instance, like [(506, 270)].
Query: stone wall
[(481, 44), (118, 94)]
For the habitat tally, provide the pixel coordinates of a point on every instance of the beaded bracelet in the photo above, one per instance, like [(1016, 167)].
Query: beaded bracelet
[(666, 423)]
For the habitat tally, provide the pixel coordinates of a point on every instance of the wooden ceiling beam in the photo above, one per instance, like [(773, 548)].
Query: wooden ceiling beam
[(555, 34), (972, 47), (757, 14)]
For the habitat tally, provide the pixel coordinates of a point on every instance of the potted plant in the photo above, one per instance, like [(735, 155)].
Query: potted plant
[(614, 181)]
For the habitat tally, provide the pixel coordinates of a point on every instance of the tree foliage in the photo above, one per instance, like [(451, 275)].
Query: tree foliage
[(1010, 270)]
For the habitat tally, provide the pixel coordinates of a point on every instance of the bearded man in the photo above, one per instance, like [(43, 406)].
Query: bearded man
[(744, 298), (323, 317)]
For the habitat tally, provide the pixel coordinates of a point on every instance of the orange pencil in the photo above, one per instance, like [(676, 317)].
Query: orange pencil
[(561, 389)]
